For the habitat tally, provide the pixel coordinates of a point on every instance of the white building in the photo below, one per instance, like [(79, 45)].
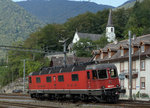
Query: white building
[(78, 36), (118, 54), (110, 30)]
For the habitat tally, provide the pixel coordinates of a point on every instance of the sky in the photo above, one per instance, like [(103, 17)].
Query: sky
[(114, 3)]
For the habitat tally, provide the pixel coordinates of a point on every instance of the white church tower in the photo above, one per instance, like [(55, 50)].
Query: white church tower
[(110, 30)]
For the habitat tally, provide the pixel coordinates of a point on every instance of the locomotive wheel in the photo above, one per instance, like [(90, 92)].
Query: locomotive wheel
[(32, 96), (112, 99), (85, 98), (40, 96)]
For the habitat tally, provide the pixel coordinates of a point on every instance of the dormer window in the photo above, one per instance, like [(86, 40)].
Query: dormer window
[(142, 48), (101, 55), (122, 52), (109, 54)]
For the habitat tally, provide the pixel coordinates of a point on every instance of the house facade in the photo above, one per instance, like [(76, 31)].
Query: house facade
[(118, 54), (78, 36)]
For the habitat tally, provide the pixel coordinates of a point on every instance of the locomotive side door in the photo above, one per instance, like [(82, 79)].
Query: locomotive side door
[(88, 80), (54, 78)]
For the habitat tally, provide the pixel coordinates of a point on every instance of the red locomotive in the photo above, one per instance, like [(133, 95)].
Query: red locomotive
[(83, 81)]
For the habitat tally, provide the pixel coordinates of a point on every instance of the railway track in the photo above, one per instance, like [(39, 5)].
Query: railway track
[(14, 96), (24, 101), (22, 105)]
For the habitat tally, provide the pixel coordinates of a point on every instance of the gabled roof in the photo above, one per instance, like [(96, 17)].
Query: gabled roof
[(144, 39), (92, 37)]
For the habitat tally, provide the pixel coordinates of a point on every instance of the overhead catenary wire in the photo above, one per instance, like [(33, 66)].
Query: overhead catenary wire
[(14, 48)]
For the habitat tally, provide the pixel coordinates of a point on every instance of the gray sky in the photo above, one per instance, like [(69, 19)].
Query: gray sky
[(106, 2)]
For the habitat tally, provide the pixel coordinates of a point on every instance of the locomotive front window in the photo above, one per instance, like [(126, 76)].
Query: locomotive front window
[(102, 74), (94, 74), (113, 73), (38, 80), (48, 79), (60, 78)]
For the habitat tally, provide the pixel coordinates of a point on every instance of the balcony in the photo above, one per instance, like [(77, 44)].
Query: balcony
[(134, 73)]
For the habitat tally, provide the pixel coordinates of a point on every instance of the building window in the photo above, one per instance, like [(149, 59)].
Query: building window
[(112, 30), (142, 80), (122, 52), (30, 80), (75, 77), (48, 79), (142, 65), (122, 67), (38, 80), (133, 83), (134, 65), (60, 78), (142, 48)]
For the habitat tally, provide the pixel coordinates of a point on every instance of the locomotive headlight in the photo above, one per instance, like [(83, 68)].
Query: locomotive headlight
[(103, 87), (117, 86)]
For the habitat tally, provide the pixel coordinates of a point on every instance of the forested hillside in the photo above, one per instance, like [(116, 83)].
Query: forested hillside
[(58, 11), (15, 23), (128, 4)]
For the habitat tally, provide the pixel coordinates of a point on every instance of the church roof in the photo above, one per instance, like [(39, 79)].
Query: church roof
[(93, 37), (110, 22)]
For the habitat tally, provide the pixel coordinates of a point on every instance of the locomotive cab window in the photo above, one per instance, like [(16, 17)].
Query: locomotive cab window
[(75, 77), (48, 79), (60, 78), (113, 73), (38, 80), (94, 74), (30, 80), (102, 74)]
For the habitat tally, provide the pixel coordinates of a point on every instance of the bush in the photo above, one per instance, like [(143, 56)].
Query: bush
[(144, 95)]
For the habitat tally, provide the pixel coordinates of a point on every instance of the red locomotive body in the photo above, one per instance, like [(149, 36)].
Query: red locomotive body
[(81, 81)]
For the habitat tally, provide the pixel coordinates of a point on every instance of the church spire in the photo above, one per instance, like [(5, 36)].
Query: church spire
[(110, 23), (110, 30)]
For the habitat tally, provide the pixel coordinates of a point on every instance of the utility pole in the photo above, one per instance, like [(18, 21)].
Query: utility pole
[(130, 67), (24, 76), (65, 52)]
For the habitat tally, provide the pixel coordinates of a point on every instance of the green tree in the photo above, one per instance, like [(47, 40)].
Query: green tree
[(83, 47), (102, 42)]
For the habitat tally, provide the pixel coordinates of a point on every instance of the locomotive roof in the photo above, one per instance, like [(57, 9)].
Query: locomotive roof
[(71, 68), (100, 66), (62, 69)]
